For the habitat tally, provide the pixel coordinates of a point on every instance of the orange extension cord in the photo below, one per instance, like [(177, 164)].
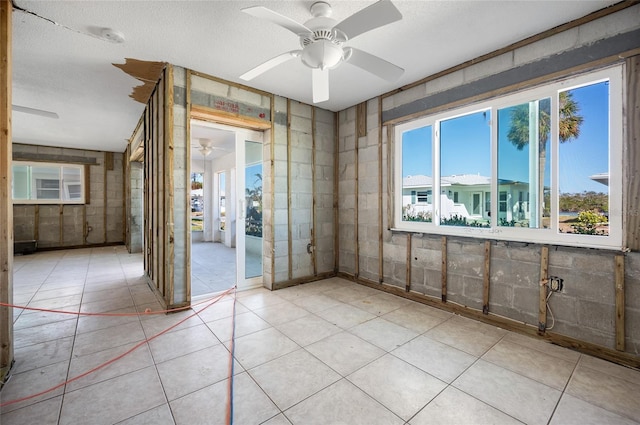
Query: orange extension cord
[(210, 302)]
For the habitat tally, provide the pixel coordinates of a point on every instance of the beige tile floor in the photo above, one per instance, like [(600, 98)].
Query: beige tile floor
[(329, 352)]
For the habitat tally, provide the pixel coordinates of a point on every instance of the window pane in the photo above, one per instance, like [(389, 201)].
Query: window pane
[(417, 175), (20, 182), (523, 167), (583, 165), (47, 182), (465, 168), (72, 182)]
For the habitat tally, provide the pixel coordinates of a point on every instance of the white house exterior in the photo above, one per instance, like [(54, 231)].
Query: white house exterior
[(468, 196)]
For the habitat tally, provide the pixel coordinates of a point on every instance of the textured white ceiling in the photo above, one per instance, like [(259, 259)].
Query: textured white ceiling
[(62, 68)]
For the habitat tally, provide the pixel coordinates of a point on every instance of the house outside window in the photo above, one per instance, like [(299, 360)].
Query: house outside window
[(47, 183), (565, 187)]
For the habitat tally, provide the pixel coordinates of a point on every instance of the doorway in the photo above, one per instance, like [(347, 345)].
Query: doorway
[(227, 249)]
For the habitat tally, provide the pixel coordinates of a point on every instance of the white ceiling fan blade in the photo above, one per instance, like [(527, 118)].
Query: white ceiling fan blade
[(320, 78), (34, 111), (273, 62), (278, 19), (375, 65), (369, 18)]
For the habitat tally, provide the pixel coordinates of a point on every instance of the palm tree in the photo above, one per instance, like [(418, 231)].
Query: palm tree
[(569, 128)]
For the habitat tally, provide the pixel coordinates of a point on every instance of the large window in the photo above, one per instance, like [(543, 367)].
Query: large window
[(47, 183), (542, 165)]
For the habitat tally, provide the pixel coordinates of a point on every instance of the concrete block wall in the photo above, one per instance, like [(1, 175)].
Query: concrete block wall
[(324, 190), (301, 180), (136, 213), (585, 309), (288, 177), (280, 217), (347, 189), (55, 226)]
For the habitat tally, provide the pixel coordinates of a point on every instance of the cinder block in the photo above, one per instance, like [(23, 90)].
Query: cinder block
[(446, 82), (615, 23), (245, 96), (555, 44), (488, 67), (596, 316)]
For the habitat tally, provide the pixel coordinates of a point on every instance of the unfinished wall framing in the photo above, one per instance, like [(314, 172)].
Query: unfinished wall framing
[(298, 177), (495, 281), (6, 211), (98, 221)]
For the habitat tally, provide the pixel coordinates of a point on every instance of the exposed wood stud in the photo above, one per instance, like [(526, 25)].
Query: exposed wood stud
[(356, 208), (104, 198), (407, 286), (544, 280), (361, 119), (169, 186), (108, 160), (87, 184), (632, 156), (272, 165), (620, 302), (188, 185), (390, 172), (203, 113), (289, 235), (6, 207), (84, 225), (487, 277), (61, 224), (505, 323), (314, 259), (444, 269), (336, 192), (36, 223), (380, 198)]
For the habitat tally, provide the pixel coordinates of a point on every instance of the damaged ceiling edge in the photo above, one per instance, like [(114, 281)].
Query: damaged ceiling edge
[(146, 71)]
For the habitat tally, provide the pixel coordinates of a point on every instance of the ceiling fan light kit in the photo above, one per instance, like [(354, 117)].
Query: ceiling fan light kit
[(322, 39)]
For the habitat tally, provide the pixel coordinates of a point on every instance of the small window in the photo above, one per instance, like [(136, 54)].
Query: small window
[(46, 183)]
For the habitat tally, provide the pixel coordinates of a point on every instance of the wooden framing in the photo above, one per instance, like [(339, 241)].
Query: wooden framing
[(188, 184), (380, 198), (169, 239), (486, 277), (504, 322), (544, 280), (204, 113), (632, 156), (6, 206), (620, 302), (105, 167), (361, 128), (289, 235), (272, 165), (314, 258), (336, 193), (444, 269), (408, 284)]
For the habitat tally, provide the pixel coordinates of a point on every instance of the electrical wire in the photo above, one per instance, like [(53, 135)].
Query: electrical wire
[(231, 360), (553, 320), (132, 349)]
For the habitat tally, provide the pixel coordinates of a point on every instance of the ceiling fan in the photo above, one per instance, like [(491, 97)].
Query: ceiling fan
[(322, 39)]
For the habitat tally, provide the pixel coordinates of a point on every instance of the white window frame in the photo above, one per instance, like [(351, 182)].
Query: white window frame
[(615, 76), (63, 191)]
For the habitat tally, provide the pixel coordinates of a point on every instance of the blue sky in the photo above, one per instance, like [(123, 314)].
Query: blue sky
[(465, 146)]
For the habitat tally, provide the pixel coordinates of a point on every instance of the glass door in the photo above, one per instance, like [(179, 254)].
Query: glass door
[(249, 214)]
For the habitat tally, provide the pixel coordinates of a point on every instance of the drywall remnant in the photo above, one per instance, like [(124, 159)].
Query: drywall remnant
[(146, 71)]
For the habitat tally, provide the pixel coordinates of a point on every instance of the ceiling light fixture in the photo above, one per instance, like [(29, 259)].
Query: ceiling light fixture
[(205, 146)]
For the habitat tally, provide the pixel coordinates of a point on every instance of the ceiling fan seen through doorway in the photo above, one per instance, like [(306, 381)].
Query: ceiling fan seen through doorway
[(322, 39)]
